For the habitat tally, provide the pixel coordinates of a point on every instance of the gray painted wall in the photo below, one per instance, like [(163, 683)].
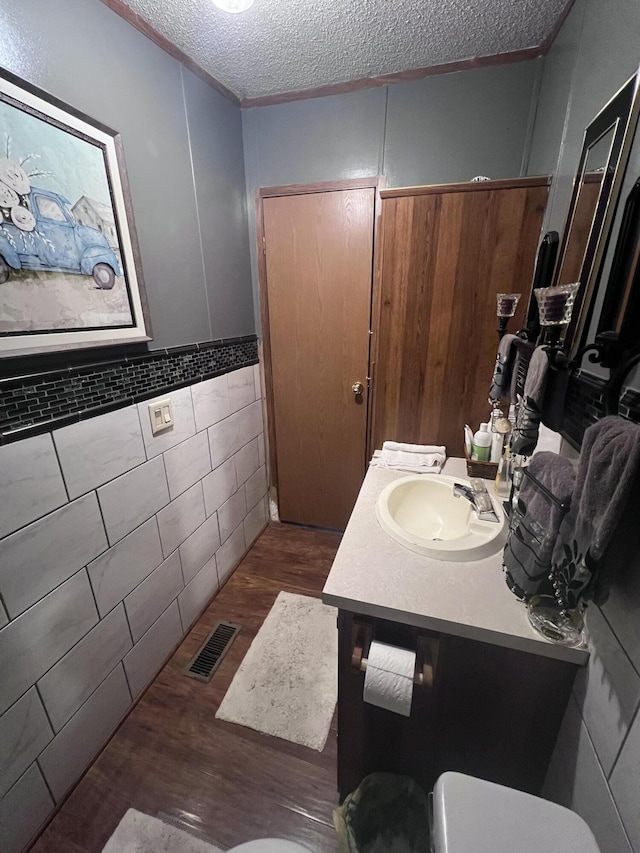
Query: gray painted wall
[(89, 57), (453, 127), (595, 766), (440, 129), (594, 55), (597, 50)]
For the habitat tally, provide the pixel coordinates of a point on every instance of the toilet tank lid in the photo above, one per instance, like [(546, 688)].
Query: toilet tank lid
[(269, 845), (475, 816)]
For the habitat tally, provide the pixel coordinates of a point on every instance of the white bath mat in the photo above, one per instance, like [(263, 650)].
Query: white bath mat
[(287, 684), (141, 833)]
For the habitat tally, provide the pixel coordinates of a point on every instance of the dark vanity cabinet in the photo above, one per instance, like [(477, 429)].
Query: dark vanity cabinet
[(493, 712)]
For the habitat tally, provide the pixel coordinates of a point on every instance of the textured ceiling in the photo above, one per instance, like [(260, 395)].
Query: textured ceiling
[(287, 45)]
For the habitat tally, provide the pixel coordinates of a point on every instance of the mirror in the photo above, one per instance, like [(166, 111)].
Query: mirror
[(605, 151)]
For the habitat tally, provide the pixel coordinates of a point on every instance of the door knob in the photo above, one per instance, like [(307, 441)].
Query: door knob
[(357, 388)]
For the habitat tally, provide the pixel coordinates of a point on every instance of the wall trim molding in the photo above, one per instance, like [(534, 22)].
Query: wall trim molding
[(169, 47), (467, 187), (395, 77), (41, 401), (522, 55)]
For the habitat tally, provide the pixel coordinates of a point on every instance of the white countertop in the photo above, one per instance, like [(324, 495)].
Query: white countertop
[(375, 576)]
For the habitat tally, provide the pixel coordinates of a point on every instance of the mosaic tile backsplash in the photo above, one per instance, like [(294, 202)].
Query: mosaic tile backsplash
[(584, 405), (38, 402)]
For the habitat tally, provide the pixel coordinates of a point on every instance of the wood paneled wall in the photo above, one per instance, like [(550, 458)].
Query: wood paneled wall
[(445, 252)]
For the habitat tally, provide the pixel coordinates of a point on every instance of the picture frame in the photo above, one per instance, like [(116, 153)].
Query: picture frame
[(70, 271)]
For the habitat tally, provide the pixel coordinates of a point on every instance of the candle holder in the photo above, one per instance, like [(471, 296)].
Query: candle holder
[(506, 308), (555, 307)]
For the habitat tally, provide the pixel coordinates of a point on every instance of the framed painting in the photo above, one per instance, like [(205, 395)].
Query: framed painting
[(70, 273)]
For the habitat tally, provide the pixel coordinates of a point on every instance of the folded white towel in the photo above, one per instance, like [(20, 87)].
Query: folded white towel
[(416, 458)]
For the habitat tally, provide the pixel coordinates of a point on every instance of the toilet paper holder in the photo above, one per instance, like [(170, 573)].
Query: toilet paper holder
[(426, 654)]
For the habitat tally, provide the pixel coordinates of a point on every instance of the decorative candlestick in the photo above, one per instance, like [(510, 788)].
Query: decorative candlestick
[(507, 304)]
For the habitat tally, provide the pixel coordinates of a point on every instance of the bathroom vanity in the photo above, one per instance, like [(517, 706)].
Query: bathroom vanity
[(493, 691)]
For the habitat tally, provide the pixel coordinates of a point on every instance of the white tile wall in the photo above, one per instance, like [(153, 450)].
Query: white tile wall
[(595, 764), (242, 388), (621, 610), (576, 780), (247, 461), (187, 463), (256, 487), (184, 425), (38, 638), (255, 522), (114, 574), (30, 482), (607, 689), (63, 761), (151, 651), (133, 498), (231, 514), (78, 578), (152, 597), (23, 810), (229, 435), (42, 555), (625, 784), (199, 547), (95, 451), (210, 401), (198, 592), (229, 555), (219, 485), (24, 733), (74, 678), (178, 520)]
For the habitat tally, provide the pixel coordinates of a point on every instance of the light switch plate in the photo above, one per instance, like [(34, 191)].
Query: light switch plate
[(160, 415)]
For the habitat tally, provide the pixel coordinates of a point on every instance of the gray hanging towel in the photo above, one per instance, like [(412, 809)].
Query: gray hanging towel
[(524, 351), (525, 432), (501, 381), (608, 476), (542, 502)]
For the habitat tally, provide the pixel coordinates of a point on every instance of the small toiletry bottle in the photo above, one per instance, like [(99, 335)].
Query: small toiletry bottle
[(496, 446), (482, 444)]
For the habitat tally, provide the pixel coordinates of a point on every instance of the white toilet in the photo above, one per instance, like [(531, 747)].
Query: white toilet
[(474, 816), (269, 845), (471, 815)]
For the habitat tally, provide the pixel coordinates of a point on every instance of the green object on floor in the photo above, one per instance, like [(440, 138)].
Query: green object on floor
[(386, 813)]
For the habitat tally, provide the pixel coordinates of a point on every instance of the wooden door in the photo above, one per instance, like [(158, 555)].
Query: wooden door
[(318, 258), (446, 253)]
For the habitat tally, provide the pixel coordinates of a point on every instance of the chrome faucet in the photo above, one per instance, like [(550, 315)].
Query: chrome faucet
[(478, 496)]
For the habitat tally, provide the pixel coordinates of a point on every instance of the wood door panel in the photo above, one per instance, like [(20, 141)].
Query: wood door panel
[(445, 256), (319, 250)]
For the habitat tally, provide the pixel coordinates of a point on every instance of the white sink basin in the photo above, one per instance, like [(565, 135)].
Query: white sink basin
[(422, 513)]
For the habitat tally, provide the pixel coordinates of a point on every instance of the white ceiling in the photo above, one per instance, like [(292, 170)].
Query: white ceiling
[(287, 45)]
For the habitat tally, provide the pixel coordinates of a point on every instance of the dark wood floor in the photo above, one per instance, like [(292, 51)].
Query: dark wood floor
[(172, 756)]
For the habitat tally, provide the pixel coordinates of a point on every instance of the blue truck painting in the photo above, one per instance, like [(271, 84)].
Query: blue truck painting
[(43, 234)]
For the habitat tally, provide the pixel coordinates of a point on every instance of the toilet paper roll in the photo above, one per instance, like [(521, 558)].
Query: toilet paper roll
[(388, 681)]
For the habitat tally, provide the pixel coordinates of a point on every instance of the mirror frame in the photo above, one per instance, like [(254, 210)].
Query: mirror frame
[(621, 113), (621, 306)]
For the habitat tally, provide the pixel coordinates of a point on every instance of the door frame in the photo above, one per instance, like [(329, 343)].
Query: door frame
[(375, 182)]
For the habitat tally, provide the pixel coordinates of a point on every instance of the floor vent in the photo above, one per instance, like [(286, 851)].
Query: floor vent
[(210, 654)]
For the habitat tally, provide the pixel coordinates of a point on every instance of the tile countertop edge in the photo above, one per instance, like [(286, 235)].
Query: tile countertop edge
[(339, 587)]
